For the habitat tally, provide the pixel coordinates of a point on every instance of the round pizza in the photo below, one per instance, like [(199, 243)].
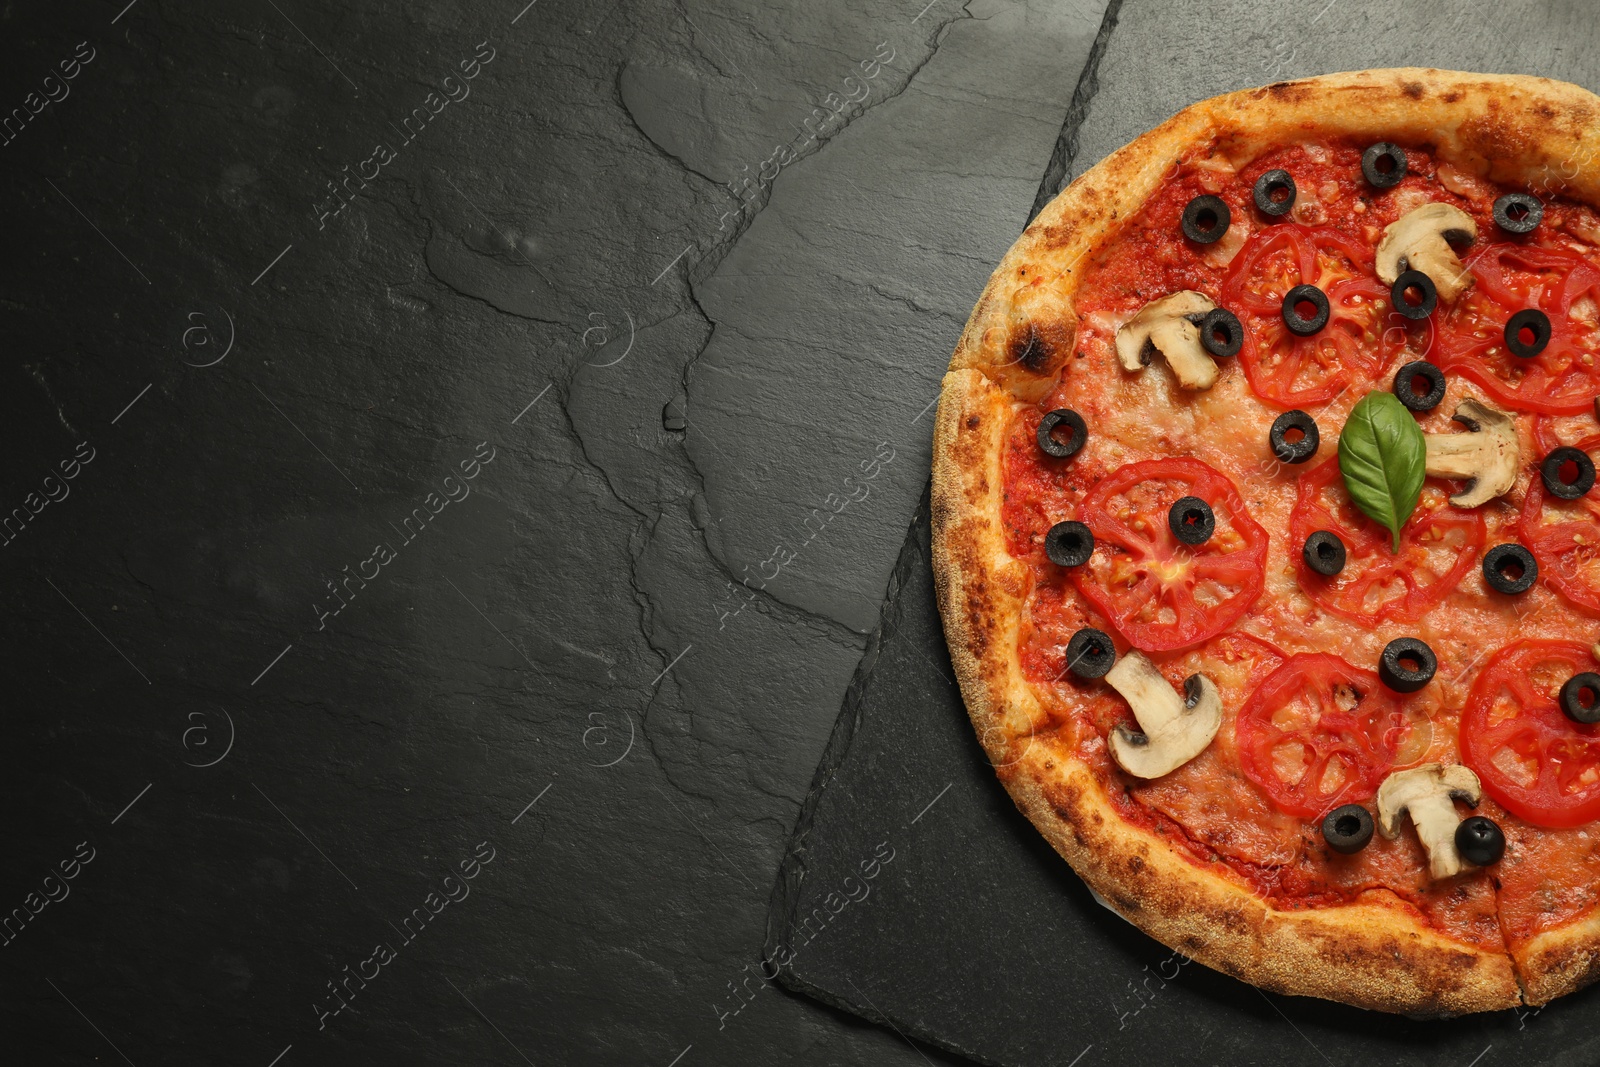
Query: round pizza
[(1267, 537)]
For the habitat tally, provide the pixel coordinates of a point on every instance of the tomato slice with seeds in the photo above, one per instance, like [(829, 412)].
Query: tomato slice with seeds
[(1532, 759), (1439, 545), (1564, 535), (1470, 341), (1356, 343), (1160, 593), (1317, 733)]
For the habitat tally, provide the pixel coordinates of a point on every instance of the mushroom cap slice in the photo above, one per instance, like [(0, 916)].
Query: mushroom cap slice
[(1420, 240), (1487, 454), (1427, 793), (1170, 326), (1172, 730)]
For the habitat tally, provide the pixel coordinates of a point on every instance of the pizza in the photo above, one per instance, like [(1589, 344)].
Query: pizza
[(1267, 540)]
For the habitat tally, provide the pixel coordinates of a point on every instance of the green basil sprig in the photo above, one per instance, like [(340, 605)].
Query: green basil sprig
[(1381, 455)]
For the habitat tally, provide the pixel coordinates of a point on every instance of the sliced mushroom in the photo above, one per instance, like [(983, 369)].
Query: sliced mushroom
[(1420, 240), (1173, 729), (1427, 793), (1487, 454), (1170, 326)]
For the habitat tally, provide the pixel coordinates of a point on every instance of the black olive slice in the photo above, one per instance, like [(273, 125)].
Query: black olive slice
[(1553, 471), (1324, 553), (1069, 544), (1535, 324), (1406, 665), (1221, 332), (1275, 193), (1290, 446), (1205, 219), (1383, 165), (1299, 324), (1409, 282), (1192, 520), (1480, 840), (1090, 653), (1408, 382), (1580, 698), (1066, 419), (1510, 569), (1518, 212), (1347, 829)]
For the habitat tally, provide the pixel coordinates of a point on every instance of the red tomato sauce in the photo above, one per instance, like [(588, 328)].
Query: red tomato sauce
[(1225, 809)]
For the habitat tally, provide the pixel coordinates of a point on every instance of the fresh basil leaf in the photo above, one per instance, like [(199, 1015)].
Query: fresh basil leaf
[(1381, 455)]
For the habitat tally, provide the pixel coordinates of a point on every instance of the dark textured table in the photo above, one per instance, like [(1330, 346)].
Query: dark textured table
[(456, 457)]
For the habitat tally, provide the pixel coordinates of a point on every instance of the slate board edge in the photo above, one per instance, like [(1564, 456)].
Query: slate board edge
[(1065, 152), (792, 869), (791, 873)]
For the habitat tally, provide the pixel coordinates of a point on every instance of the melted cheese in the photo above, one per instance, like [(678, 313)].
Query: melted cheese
[(1549, 875)]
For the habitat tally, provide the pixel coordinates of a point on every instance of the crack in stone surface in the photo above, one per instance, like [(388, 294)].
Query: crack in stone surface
[(1066, 150), (36, 371)]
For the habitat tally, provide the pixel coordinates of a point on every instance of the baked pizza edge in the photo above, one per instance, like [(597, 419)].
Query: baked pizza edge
[(1509, 128)]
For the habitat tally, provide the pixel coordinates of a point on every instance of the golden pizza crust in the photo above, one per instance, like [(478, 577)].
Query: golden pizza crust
[(1558, 961), (1377, 953)]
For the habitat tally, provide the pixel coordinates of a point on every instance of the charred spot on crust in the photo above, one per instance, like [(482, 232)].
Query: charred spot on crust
[(1041, 347), (1452, 96), (1289, 92), (1545, 111), (1064, 801), (972, 422), (1135, 864), (1055, 236), (1029, 350), (1357, 954), (1232, 920), (1412, 89), (978, 641)]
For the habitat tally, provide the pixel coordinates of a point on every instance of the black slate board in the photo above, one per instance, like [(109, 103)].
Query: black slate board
[(977, 937)]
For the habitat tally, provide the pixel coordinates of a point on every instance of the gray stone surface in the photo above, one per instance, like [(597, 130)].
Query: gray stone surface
[(690, 300), (272, 775), (836, 313)]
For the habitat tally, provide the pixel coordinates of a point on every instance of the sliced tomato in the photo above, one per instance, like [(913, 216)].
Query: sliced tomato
[(1530, 757), (1439, 545), (1209, 796), (1317, 733), (1295, 371), (1470, 341), (1564, 535), (1158, 592)]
